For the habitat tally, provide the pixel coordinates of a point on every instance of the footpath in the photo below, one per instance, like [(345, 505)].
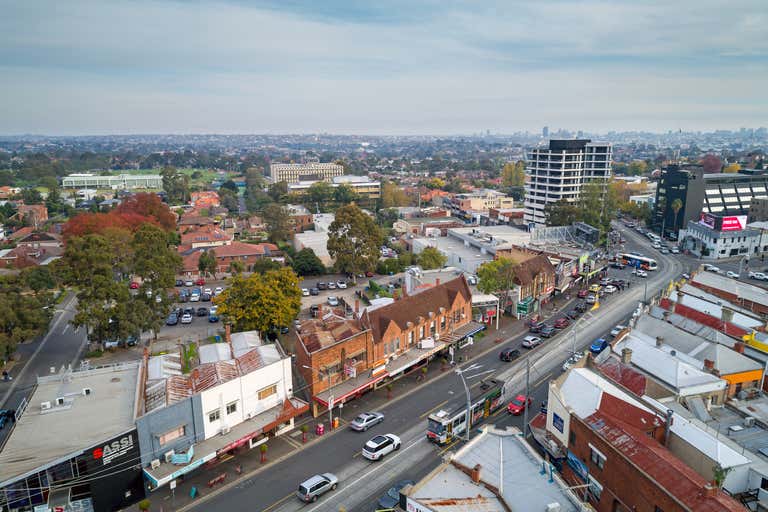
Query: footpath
[(247, 464)]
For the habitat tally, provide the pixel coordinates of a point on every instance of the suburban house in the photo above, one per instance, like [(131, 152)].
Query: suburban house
[(204, 236), (205, 199), (34, 214), (247, 254)]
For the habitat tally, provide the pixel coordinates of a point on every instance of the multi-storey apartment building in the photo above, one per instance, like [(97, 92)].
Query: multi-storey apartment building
[(314, 171), (560, 171)]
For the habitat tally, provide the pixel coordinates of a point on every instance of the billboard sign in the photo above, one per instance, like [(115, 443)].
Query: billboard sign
[(734, 223), (707, 220)]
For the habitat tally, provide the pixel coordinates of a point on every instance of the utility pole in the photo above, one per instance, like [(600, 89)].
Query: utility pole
[(527, 396)]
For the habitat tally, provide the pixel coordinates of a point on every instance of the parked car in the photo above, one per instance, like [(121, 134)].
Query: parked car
[(200, 281), (189, 282), (732, 274), (591, 299), (381, 445), (333, 301), (366, 420), (562, 322), (535, 327), (532, 341), (202, 311), (518, 404), (313, 487), (314, 291), (760, 276), (675, 249), (217, 291), (206, 297), (172, 319), (331, 285), (573, 314), (134, 285), (369, 274), (194, 297), (664, 250), (570, 362), (616, 330), (509, 354), (711, 268), (547, 331), (580, 307), (213, 318), (610, 289), (322, 285), (582, 294), (179, 282), (642, 273), (342, 285), (598, 346), (391, 498), (606, 281), (305, 292), (186, 318)]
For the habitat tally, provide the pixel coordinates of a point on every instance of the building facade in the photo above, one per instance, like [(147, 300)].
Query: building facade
[(365, 188), (119, 182), (717, 236), (560, 171), (314, 171)]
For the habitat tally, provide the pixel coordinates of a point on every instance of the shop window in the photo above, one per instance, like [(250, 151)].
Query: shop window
[(231, 407), (272, 390), (171, 435), (214, 416)]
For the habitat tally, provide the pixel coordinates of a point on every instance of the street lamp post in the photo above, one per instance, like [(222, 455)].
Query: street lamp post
[(460, 372), (330, 397)]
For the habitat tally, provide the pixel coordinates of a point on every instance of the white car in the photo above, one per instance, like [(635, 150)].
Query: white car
[(531, 341), (381, 445), (305, 292), (711, 268), (675, 250), (218, 290), (342, 285), (212, 310), (732, 274), (333, 301), (194, 298), (186, 318), (642, 273), (616, 330), (760, 276), (610, 289), (208, 291)]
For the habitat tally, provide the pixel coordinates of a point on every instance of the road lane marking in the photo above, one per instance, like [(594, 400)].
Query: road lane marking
[(541, 381), (66, 327), (450, 445), (434, 409), (278, 502)]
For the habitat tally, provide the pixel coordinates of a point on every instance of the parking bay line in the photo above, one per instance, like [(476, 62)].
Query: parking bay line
[(278, 502)]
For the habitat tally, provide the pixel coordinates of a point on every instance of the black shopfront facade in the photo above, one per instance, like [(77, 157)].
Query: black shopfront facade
[(102, 478)]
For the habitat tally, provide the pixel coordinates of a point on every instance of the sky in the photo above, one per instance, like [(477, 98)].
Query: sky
[(439, 67)]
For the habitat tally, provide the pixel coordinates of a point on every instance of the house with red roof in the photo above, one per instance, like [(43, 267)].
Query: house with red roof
[(247, 254), (205, 199), (208, 235)]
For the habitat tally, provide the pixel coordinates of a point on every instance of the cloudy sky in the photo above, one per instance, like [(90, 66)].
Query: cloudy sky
[(384, 67)]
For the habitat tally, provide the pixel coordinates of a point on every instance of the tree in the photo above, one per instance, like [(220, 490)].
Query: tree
[(277, 220), (229, 185), (392, 195), (319, 193), (637, 168), (497, 277), (229, 200), (711, 164), (38, 278), (513, 174), (264, 265), (431, 258), (148, 205), (261, 301), (434, 183), (561, 213), (31, 196), (236, 267), (22, 315), (354, 240), (676, 206), (344, 194), (306, 263), (176, 185), (207, 263), (278, 191)]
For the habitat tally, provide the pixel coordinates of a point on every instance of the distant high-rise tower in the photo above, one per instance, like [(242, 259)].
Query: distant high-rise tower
[(559, 172), (545, 132)]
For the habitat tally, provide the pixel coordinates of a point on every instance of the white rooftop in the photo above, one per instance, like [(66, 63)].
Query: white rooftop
[(42, 436), (713, 305), (732, 286), (583, 390)]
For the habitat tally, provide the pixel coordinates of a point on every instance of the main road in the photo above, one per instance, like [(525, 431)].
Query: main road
[(362, 482)]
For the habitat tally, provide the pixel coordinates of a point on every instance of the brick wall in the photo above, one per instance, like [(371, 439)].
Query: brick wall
[(334, 357)]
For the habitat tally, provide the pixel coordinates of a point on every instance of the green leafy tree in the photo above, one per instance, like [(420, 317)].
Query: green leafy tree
[(236, 267), (278, 191), (207, 263), (431, 258), (497, 277), (22, 315), (354, 240), (306, 263), (264, 265), (561, 213), (318, 194), (513, 174), (277, 220), (229, 185), (31, 196), (229, 200), (344, 194), (261, 301), (176, 185)]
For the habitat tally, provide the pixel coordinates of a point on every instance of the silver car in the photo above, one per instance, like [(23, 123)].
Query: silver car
[(366, 420), (313, 487)]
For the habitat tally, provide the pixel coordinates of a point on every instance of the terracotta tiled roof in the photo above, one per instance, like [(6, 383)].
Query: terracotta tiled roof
[(233, 249), (319, 333), (21, 233), (204, 234), (195, 220), (411, 307), (669, 472)]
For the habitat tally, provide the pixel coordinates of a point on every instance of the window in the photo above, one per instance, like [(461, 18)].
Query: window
[(397, 343), (421, 332), (214, 416), (410, 338), (232, 407), (597, 458), (595, 489), (268, 391), (171, 435)]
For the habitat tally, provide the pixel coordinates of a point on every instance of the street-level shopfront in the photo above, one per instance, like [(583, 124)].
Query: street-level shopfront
[(104, 477)]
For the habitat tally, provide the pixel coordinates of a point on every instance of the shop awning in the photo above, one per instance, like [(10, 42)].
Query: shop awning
[(349, 387)]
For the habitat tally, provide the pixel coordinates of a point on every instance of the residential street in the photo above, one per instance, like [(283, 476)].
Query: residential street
[(271, 487)]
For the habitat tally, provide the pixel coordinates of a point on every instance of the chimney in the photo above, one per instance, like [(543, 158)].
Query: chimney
[(710, 490), (739, 347), (437, 282), (626, 355), (475, 474), (357, 306), (667, 426), (666, 316), (228, 333), (659, 341), (709, 365)]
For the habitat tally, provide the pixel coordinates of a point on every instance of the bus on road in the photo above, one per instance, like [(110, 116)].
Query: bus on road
[(451, 421), (638, 261)]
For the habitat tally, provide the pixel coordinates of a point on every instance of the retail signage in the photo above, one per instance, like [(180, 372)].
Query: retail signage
[(557, 422), (113, 450), (734, 223), (707, 220)]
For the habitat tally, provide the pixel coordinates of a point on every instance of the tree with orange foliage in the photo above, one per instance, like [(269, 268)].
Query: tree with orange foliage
[(130, 215), (148, 205)]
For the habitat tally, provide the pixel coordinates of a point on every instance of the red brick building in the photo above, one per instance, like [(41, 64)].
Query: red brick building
[(247, 254), (35, 214), (205, 199), (204, 236)]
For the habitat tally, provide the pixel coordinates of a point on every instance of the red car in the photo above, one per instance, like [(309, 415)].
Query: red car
[(582, 294), (200, 282), (518, 405), (562, 323), (369, 274), (134, 285)]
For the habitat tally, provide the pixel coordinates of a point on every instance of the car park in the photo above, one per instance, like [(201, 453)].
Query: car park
[(391, 498), (598, 345), (314, 487), (518, 404), (333, 301), (186, 318), (509, 354), (377, 447), (547, 331), (732, 274), (562, 322), (531, 341), (366, 420), (305, 292)]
